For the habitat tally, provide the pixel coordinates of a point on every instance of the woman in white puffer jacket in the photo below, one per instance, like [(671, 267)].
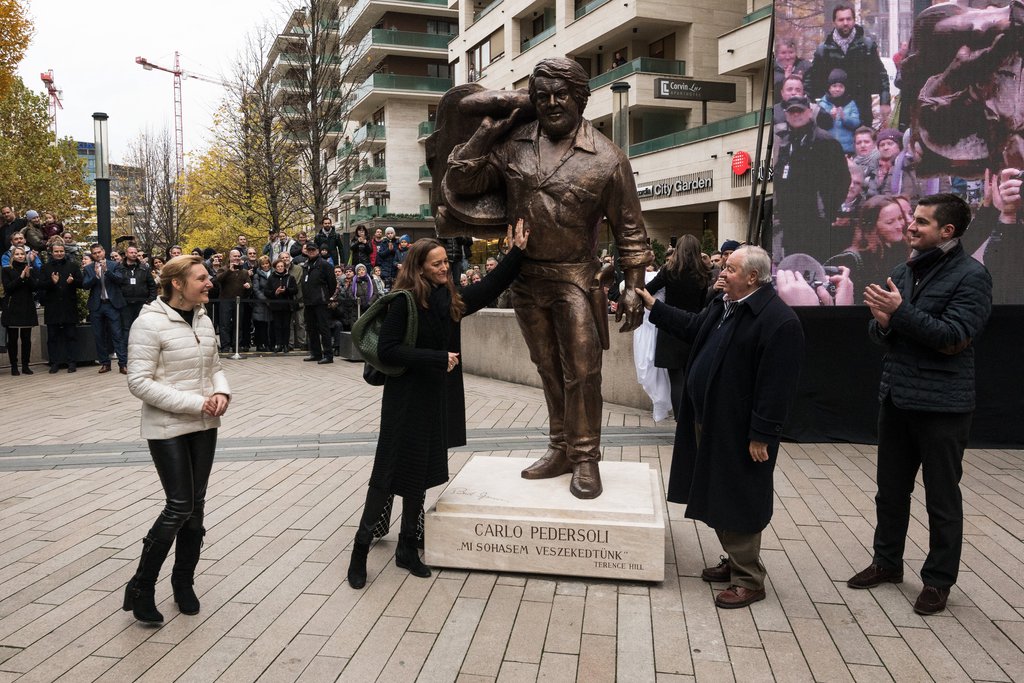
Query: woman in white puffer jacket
[(174, 368)]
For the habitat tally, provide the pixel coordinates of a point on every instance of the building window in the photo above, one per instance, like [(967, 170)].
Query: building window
[(439, 71), (442, 27)]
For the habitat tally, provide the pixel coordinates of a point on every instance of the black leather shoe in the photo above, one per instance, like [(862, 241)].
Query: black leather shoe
[(54, 369), (72, 368), (312, 359), (325, 361), (932, 600), (586, 480), (720, 573), (875, 575)]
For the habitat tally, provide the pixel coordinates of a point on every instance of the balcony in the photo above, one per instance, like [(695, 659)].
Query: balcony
[(426, 128), (425, 176), (410, 39), (741, 50), (425, 211), (380, 86), (589, 7), (757, 15), (365, 213), (537, 39), (363, 15), (723, 127), (370, 136), (477, 16), (371, 175), (650, 65)]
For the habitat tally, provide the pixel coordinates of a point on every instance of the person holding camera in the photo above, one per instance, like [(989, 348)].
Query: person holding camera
[(235, 283)]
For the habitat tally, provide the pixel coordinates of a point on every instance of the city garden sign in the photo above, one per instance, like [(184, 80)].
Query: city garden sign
[(691, 183)]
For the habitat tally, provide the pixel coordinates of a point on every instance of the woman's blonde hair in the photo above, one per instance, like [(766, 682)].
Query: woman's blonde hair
[(178, 269)]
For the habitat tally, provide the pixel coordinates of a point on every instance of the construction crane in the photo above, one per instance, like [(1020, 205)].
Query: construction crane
[(55, 95), (178, 73)]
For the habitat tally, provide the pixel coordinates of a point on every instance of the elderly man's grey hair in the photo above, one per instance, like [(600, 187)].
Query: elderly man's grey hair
[(755, 259)]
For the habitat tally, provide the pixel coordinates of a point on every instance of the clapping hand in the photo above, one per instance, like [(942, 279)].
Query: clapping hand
[(55, 277)]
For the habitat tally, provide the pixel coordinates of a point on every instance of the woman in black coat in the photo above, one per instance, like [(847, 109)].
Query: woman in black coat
[(60, 281), (362, 248), (19, 280), (280, 291), (685, 280), (413, 455)]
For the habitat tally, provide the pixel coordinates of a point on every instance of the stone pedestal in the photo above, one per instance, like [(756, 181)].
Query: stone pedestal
[(490, 518)]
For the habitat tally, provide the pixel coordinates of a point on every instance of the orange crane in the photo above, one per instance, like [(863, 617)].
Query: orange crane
[(178, 73), (55, 95)]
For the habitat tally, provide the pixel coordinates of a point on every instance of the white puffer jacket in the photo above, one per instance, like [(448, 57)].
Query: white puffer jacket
[(172, 368)]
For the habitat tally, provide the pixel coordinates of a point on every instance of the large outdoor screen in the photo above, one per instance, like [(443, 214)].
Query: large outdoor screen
[(880, 103)]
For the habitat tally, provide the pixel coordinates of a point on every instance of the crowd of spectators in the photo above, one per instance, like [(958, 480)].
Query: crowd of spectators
[(847, 155)]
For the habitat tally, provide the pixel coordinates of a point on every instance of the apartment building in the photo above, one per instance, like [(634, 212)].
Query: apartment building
[(694, 71), (393, 56)]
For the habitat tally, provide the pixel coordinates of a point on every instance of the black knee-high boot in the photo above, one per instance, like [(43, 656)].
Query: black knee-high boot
[(139, 593), (407, 556), (186, 558), (376, 499)]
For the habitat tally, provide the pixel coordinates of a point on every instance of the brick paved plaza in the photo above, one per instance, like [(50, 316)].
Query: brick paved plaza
[(77, 495)]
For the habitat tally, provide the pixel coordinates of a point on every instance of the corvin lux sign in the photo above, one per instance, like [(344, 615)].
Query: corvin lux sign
[(700, 91)]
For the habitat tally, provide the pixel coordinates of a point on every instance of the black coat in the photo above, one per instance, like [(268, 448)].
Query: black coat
[(285, 300), (423, 411), (21, 306), (685, 292), (318, 282), (332, 240), (866, 75), (60, 300), (752, 383), (929, 346), (361, 253)]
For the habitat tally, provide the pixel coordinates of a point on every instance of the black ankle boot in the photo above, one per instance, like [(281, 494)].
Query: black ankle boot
[(408, 557), (186, 557), (139, 593), (26, 370), (357, 565)]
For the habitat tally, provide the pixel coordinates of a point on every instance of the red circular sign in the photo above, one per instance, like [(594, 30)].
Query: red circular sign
[(740, 163)]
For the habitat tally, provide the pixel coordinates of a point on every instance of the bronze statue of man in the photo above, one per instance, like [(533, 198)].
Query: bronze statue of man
[(562, 177)]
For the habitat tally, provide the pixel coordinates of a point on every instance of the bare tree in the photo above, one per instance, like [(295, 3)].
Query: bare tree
[(323, 82), (265, 189), (158, 219)]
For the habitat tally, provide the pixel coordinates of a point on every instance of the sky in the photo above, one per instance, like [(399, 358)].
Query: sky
[(92, 45)]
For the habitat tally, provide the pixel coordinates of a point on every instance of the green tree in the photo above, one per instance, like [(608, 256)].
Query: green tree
[(36, 172)]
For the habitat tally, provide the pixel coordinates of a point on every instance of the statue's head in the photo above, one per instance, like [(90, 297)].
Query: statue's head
[(559, 89)]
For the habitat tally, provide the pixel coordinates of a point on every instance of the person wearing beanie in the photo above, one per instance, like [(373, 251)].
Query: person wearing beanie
[(892, 178), (842, 110), (403, 250)]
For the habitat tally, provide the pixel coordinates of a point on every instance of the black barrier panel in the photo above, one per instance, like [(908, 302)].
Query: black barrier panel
[(838, 394)]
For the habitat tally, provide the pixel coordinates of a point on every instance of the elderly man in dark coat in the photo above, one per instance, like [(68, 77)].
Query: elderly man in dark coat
[(740, 382)]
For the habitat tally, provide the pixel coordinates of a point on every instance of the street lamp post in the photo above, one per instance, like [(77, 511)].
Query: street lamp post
[(620, 115), (99, 123)]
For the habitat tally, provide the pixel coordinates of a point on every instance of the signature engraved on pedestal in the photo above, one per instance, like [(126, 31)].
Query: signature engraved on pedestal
[(478, 495)]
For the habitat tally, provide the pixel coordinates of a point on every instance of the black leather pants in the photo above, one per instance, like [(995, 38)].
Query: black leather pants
[(184, 465)]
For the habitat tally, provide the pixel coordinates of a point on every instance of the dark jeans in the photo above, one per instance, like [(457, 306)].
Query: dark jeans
[(107, 319), (25, 334), (129, 313), (226, 324), (184, 465), (281, 322), (318, 331), (934, 442), (60, 343)]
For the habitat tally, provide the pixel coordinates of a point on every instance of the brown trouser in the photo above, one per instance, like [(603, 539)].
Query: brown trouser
[(744, 551), (559, 328)]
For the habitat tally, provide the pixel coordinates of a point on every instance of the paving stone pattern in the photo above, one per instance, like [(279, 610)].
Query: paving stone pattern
[(77, 496)]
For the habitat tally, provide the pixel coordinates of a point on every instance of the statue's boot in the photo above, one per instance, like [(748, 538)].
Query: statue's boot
[(586, 479), (554, 463)]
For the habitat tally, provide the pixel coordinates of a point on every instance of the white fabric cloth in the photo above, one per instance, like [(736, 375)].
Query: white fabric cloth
[(172, 368), (654, 380)]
